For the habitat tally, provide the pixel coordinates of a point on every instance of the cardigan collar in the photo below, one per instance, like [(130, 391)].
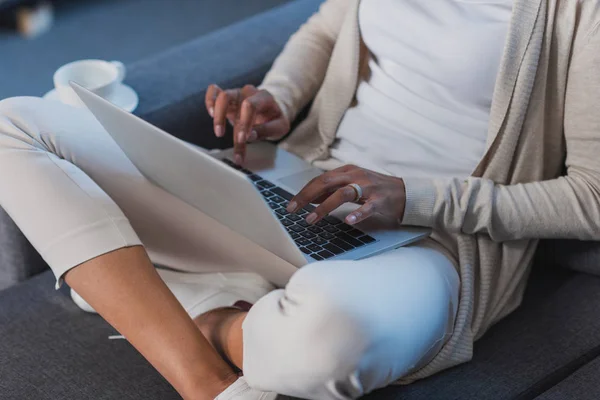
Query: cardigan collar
[(525, 39)]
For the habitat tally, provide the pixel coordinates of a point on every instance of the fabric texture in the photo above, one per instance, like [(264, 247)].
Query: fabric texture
[(53, 350), (582, 385), (491, 221), (18, 258), (424, 104), (96, 201)]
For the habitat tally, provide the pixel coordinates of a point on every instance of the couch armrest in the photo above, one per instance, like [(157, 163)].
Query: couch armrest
[(172, 85), (18, 258)]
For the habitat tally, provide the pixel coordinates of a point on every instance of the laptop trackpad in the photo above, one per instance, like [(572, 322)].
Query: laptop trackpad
[(297, 181)]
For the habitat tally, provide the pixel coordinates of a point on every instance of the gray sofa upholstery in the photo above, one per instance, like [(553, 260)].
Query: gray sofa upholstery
[(548, 349)]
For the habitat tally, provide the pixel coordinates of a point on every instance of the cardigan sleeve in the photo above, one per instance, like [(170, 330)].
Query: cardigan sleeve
[(567, 207), (299, 71)]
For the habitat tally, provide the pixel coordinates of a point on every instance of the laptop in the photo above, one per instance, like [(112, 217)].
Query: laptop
[(250, 200)]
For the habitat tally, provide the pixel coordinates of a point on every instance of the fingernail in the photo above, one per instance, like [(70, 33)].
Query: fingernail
[(238, 159), (351, 219), (211, 112), (241, 137), (253, 136), (219, 130), (292, 206), (312, 217)]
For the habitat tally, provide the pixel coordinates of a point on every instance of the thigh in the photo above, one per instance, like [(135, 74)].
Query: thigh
[(67, 177), (378, 318)]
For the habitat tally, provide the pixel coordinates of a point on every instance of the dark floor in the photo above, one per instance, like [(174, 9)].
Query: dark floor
[(125, 30)]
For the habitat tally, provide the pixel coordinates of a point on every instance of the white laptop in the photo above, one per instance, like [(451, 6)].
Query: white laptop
[(250, 200)]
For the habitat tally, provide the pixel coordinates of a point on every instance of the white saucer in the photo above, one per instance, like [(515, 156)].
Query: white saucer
[(124, 97)]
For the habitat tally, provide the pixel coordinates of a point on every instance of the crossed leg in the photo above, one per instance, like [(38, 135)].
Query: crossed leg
[(337, 331)]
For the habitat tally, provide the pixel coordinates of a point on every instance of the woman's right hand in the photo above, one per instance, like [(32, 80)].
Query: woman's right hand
[(254, 114)]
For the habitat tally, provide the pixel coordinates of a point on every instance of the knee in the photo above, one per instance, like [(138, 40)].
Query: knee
[(13, 107), (321, 340), (16, 116)]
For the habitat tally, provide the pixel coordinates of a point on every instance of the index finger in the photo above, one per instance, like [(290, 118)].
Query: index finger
[(211, 98), (250, 108), (319, 186)]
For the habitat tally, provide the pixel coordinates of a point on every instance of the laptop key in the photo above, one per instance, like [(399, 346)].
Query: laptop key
[(366, 239), (314, 247), (309, 208), (297, 228), (303, 223), (274, 206), (355, 233), (317, 257), (315, 229), (332, 220), (319, 240), (246, 171), (294, 217), (326, 254), (266, 193), (349, 239), (344, 227), (341, 244), (305, 250), (255, 178), (283, 193), (322, 223), (280, 216), (287, 222), (333, 248), (281, 211), (265, 184), (277, 199), (308, 235), (326, 235), (302, 212), (231, 163), (331, 229), (294, 235), (303, 241)]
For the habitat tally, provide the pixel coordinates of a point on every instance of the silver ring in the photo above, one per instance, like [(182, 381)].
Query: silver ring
[(358, 190)]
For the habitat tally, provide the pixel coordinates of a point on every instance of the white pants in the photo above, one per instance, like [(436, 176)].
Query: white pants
[(339, 329)]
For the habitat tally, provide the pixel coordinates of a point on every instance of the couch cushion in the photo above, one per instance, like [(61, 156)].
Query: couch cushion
[(49, 349), (18, 259), (550, 336), (582, 256), (582, 385)]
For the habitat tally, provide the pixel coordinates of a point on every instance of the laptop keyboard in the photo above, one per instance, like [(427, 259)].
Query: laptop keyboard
[(328, 238)]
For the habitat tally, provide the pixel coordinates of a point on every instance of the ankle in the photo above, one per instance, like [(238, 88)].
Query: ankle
[(209, 389), (216, 326)]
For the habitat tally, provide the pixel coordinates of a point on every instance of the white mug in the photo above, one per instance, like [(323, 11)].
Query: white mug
[(99, 76)]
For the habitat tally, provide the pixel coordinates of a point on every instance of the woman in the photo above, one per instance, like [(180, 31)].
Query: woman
[(458, 115)]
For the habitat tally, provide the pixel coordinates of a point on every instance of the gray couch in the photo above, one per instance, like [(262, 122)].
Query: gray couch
[(548, 349)]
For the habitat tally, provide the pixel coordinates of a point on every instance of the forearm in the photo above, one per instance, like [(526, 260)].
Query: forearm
[(566, 207)]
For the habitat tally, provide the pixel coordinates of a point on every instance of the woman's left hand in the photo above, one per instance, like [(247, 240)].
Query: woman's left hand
[(381, 194)]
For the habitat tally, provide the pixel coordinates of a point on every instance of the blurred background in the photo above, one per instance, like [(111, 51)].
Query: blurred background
[(37, 37)]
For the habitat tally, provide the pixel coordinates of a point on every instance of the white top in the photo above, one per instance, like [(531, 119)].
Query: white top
[(424, 109)]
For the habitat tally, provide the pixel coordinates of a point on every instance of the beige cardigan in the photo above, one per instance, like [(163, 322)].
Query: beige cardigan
[(545, 121)]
